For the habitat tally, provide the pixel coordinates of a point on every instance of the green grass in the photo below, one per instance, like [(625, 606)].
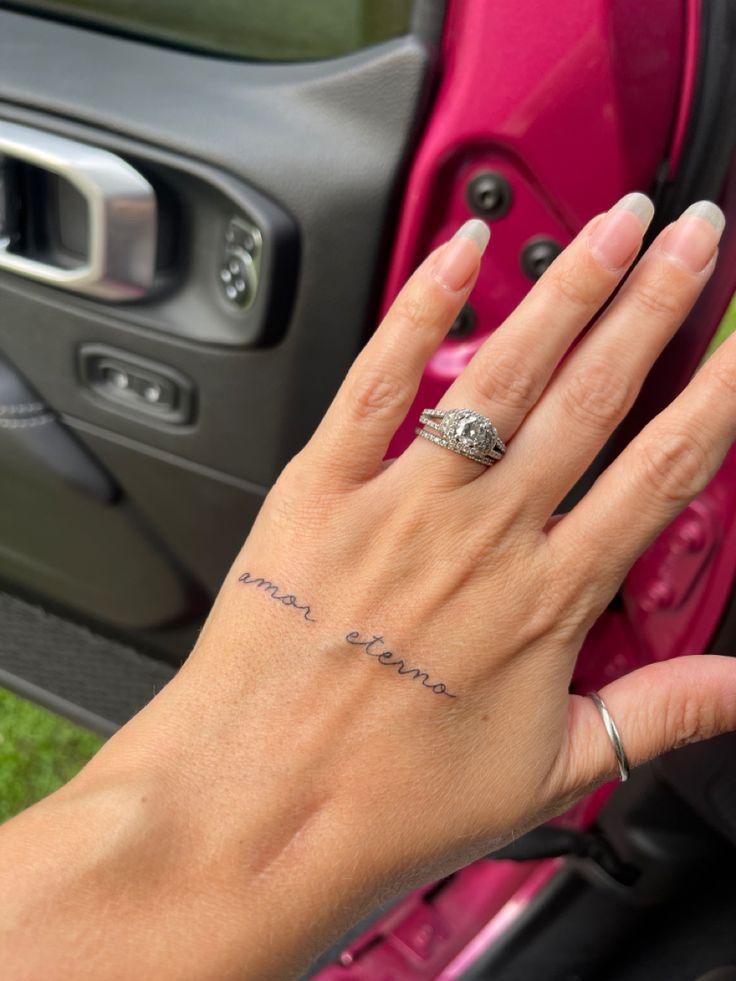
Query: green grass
[(726, 327), (38, 753), (264, 29)]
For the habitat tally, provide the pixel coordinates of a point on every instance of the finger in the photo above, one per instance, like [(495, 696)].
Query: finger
[(656, 476), (511, 369), (374, 398), (600, 380), (655, 708)]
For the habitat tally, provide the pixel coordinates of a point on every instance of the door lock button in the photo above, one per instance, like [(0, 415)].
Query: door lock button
[(240, 263), (238, 277), (136, 384)]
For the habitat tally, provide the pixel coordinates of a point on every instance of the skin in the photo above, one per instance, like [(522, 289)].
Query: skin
[(289, 779)]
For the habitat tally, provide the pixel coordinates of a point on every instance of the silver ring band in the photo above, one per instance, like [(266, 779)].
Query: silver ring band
[(613, 734), (463, 431)]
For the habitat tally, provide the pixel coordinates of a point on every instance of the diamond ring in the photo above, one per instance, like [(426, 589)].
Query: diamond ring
[(463, 431)]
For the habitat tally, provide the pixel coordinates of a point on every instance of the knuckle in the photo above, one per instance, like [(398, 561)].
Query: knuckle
[(656, 298), (674, 467), (546, 618), (374, 392), (288, 502), (296, 481), (553, 610), (506, 379), (413, 311), (722, 377), (597, 395), (689, 719), (573, 286)]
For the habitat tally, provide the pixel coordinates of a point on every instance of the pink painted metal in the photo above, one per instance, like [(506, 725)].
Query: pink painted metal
[(575, 103), (537, 878), (572, 102), (417, 938)]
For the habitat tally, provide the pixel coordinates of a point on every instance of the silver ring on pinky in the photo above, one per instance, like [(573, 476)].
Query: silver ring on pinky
[(613, 734), (463, 431)]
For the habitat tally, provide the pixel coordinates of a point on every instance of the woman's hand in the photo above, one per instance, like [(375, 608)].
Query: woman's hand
[(380, 694)]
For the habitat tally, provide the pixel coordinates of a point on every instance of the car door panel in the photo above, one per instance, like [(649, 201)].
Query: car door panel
[(307, 155), (190, 522)]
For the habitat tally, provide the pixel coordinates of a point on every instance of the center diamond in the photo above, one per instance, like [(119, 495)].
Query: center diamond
[(469, 430)]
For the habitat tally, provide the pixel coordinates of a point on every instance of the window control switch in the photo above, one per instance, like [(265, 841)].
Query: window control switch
[(143, 387)]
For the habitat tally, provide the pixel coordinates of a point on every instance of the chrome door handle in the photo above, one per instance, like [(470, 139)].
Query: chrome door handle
[(120, 255)]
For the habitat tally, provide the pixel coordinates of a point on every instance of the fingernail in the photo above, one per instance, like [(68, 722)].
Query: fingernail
[(694, 237), (459, 258), (617, 237)]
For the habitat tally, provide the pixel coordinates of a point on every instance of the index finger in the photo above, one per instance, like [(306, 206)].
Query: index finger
[(382, 383)]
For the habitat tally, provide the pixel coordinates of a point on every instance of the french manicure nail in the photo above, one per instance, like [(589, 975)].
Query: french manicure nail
[(693, 238), (459, 258), (617, 237)]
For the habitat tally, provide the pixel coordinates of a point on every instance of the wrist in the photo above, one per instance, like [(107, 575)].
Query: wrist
[(246, 840), (158, 891)]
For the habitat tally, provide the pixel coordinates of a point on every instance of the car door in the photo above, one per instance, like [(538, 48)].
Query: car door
[(194, 206)]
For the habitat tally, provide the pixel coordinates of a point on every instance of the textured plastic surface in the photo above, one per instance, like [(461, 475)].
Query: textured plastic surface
[(98, 559), (51, 487), (40, 652), (33, 442), (224, 507)]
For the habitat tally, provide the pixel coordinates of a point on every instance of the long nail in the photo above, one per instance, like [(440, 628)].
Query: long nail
[(458, 260), (694, 237), (616, 239)]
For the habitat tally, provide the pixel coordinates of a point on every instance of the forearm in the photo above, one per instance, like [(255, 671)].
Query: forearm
[(137, 869)]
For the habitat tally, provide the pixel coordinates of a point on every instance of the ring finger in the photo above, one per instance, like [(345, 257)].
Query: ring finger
[(509, 372)]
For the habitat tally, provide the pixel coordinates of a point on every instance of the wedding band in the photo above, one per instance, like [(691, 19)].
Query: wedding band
[(463, 431), (613, 735)]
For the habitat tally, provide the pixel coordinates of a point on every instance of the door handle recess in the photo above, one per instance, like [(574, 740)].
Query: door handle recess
[(114, 257)]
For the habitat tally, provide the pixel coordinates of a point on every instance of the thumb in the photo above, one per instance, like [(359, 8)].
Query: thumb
[(656, 708)]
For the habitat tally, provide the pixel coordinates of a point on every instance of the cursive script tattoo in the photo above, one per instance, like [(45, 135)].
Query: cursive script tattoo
[(390, 660), (286, 599)]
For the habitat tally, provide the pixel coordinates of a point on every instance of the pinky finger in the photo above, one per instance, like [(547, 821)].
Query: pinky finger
[(668, 464)]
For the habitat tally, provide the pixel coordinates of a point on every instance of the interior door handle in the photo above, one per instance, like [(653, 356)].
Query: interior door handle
[(115, 256)]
